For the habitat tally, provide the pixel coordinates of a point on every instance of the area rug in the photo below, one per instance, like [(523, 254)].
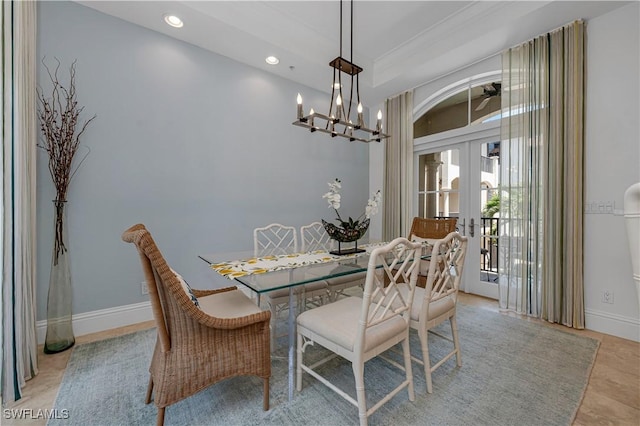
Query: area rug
[(514, 372)]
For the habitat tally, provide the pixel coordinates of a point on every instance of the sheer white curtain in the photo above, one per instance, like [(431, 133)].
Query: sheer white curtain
[(398, 173), (18, 335), (542, 156)]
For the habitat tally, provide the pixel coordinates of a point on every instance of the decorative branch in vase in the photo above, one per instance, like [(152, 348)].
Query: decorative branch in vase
[(59, 122), (58, 117), (349, 230)]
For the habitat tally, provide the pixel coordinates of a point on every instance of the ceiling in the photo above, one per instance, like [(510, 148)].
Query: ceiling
[(400, 44)]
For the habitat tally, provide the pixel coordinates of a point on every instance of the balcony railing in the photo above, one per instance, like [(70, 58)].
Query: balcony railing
[(486, 164), (489, 244)]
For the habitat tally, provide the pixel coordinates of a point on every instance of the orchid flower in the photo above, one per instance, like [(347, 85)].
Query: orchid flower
[(372, 205), (333, 198)]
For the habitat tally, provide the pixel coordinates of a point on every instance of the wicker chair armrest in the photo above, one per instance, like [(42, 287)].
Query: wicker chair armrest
[(202, 293), (232, 323)]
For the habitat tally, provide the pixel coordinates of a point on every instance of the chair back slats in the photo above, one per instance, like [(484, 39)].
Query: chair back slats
[(432, 228), (274, 239), (445, 267), (382, 298), (314, 237)]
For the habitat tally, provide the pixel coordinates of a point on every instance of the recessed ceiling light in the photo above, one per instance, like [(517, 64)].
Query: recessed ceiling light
[(173, 20), (272, 60)]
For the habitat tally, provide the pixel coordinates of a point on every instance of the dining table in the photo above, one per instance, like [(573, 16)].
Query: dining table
[(263, 274)]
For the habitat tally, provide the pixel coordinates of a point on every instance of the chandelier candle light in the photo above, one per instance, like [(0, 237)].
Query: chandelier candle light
[(349, 230), (338, 123)]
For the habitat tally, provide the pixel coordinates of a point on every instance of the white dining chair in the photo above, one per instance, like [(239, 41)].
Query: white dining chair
[(436, 303), (358, 329), (428, 231), (315, 237), (277, 239)]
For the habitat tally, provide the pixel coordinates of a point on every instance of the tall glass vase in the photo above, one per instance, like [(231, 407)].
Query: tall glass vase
[(59, 327)]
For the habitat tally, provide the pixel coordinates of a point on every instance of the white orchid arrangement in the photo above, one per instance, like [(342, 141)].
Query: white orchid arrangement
[(333, 198)]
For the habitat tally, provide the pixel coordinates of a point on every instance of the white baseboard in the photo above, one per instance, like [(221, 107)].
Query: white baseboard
[(103, 319), (616, 325), (120, 316)]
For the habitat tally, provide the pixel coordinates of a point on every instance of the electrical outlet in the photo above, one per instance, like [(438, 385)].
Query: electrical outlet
[(143, 287), (607, 296)]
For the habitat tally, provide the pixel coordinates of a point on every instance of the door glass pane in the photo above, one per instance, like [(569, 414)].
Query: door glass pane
[(489, 205), (439, 180)]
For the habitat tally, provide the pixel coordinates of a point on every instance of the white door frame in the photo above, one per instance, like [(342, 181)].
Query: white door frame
[(468, 141)]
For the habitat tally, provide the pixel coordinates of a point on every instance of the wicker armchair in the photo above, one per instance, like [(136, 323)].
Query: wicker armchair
[(432, 228), (197, 346)]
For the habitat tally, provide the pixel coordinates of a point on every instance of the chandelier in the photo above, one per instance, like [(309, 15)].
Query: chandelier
[(338, 121)]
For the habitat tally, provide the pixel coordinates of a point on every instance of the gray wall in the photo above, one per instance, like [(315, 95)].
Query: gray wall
[(196, 146)]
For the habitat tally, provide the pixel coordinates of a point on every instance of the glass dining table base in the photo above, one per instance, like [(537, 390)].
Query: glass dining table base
[(291, 340)]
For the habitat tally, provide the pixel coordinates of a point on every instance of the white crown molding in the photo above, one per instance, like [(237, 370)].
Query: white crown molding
[(462, 31)]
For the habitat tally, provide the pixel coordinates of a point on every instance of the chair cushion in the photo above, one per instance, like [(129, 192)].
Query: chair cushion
[(436, 308), (186, 288), (441, 306), (228, 304), (338, 322), (424, 264), (284, 292), (353, 279), (424, 268), (417, 239)]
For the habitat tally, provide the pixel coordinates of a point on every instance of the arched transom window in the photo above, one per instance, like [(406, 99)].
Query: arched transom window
[(474, 104)]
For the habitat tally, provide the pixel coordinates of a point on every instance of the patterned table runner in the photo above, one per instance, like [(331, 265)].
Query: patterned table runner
[(260, 265)]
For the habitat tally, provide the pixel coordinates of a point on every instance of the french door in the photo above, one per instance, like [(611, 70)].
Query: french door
[(458, 176)]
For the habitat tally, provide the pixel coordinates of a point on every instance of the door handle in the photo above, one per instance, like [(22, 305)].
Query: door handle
[(471, 228)]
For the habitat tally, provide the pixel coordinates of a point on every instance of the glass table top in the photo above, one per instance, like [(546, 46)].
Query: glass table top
[(274, 280), (294, 276)]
